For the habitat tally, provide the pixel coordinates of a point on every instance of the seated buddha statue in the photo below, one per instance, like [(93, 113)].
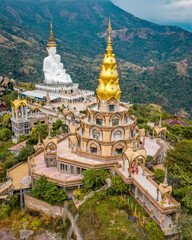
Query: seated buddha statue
[(52, 66)]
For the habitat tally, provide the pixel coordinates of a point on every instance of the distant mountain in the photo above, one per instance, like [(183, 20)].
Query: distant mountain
[(145, 51)]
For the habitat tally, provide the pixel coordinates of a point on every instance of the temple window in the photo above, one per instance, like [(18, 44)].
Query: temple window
[(99, 121), (96, 134), (88, 118), (117, 135), (119, 150), (132, 133), (82, 131), (93, 148), (78, 170), (115, 121), (111, 107), (63, 167), (72, 169), (126, 119)]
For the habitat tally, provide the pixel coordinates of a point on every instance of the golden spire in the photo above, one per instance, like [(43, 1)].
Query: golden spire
[(51, 42), (109, 48), (109, 78)]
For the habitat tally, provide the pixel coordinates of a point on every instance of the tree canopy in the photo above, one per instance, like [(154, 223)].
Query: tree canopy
[(94, 179)]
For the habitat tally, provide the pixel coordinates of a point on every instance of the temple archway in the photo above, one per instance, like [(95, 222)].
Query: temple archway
[(134, 158), (115, 120), (96, 133), (99, 119), (118, 148), (117, 134), (93, 147)]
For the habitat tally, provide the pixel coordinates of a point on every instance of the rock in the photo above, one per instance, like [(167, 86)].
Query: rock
[(25, 234)]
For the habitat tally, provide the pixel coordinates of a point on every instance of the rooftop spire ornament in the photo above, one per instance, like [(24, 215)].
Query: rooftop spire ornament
[(109, 79), (51, 42)]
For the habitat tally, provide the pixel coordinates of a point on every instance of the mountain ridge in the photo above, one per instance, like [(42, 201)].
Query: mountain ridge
[(80, 32)]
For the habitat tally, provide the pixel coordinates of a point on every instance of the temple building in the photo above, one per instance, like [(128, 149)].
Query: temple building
[(174, 121), (108, 137), (24, 119), (57, 81)]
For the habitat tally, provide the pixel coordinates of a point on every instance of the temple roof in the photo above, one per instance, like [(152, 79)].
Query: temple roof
[(109, 79)]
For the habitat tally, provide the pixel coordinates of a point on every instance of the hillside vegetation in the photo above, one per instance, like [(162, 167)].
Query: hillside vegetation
[(154, 62)]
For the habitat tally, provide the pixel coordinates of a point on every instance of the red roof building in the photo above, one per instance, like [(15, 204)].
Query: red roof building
[(174, 121), (3, 106)]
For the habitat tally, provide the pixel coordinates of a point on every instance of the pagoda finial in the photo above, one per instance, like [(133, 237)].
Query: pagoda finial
[(165, 183), (109, 48), (109, 79), (51, 42)]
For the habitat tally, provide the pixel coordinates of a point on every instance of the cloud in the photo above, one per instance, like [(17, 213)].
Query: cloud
[(178, 12)]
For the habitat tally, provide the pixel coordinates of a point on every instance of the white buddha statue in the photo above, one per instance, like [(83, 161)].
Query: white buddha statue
[(52, 66)]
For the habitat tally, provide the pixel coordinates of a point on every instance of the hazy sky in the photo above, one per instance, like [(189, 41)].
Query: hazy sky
[(174, 12)]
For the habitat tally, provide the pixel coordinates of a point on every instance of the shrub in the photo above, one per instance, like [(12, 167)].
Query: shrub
[(5, 134), (154, 231), (4, 211), (94, 179), (118, 186), (159, 175), (25, 153), (48, 191)]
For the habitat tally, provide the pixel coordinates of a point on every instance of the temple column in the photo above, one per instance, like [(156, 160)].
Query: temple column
[(16, 114), (26, 114), (22, 113), (13, 114)]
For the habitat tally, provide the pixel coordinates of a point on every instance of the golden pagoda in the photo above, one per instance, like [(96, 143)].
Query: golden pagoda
[(51, 42), (109, 79)]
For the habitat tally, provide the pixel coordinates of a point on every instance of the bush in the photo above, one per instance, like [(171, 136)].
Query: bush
[(57, 124), (4, 211), (48, 191), (94, 179), (5, 134), (118, 186), (118, 203), (154, 231), (159, 175), (25, 153)]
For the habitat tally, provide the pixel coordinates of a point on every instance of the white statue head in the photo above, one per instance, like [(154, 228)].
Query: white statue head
[(51, 51), (57, 58)]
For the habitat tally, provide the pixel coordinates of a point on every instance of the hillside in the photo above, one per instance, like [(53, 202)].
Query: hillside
[(145, 51)]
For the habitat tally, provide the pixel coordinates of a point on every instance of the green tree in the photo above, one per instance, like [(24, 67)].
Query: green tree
[(165, 115), (65, 128), (4, 211), (177, 130), (5, 134), (7, 120), (94, 179), (154, 231), (25, 153), (48, 191), (57, 124), (187, 132), (22, 138), (118, 185), (159, 175), (184, 225), (9, 98), (178, 161)]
